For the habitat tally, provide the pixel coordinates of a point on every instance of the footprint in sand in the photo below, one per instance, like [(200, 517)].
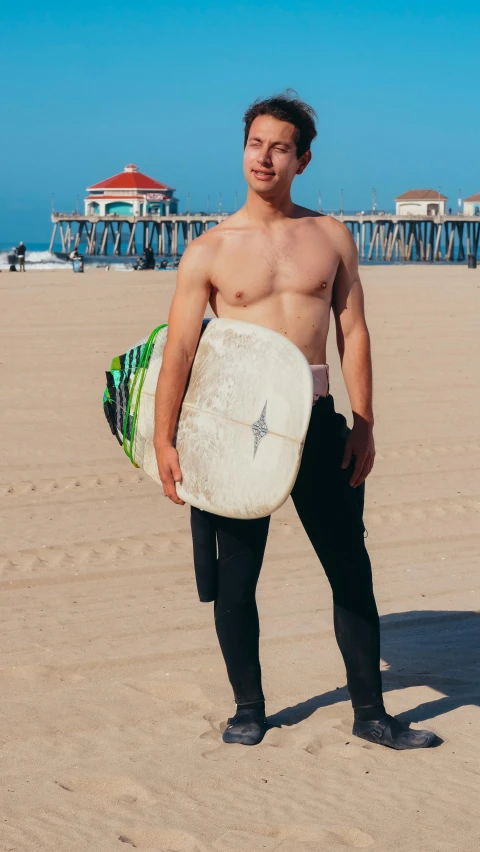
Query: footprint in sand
[(185, 696), (127, 799), (281, 738), (311, 838), (162, 839), (328, 840), (348, 749), (314, 746), (225, 754), (120, 789), (216, 726), (46, 674), (245, 841), (334, 734), (354, 837), (213, 736), (297, 838)]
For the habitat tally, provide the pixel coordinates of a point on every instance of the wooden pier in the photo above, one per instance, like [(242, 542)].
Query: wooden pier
[(405, 238), (130, 235), (382, 237)]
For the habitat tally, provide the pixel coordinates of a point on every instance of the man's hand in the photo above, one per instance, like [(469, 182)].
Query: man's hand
[(361, 446), (169, 471)]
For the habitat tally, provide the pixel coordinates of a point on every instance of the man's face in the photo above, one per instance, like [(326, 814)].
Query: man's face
[(270, 160)]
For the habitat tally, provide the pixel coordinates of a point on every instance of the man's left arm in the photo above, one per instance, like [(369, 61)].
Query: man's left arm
[(353, 341)]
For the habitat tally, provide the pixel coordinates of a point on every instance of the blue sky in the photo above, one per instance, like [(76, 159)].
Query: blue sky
[(90, 87)]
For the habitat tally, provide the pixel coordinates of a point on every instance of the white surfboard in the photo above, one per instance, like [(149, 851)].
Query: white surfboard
[(242, 423)]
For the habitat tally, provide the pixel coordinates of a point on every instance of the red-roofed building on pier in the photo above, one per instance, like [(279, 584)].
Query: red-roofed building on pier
[(130, 193)]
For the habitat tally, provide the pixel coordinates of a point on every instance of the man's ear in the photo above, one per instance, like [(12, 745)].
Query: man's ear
[(303, 162)]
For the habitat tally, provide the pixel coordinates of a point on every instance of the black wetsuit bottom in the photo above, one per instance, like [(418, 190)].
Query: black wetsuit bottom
[(228, 555)]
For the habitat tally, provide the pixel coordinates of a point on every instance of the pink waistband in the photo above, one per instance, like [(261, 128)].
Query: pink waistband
[(320, 380)]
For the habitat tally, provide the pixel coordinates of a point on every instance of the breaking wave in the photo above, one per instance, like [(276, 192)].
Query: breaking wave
[(50, 260), (37, 260)]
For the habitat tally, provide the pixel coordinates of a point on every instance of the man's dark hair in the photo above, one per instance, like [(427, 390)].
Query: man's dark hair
[(286, 107)]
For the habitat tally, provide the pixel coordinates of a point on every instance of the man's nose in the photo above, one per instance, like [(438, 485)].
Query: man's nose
[(264, 157)]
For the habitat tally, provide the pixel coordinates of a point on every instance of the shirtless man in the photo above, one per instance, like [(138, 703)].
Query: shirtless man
[(285, 267)]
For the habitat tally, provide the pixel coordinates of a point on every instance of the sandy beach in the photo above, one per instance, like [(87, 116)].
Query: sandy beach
[(113, 688)]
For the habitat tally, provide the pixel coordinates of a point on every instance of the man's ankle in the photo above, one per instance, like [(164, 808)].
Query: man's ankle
[(369, 714), (252, 705)]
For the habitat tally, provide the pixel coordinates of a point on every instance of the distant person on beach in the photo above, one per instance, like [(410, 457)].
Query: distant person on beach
[(77, 260), (285, 267), (21, 256), (12, 259), (149, 258)]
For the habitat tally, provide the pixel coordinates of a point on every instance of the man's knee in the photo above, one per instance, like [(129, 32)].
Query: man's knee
[(358, 600), (233, 602)]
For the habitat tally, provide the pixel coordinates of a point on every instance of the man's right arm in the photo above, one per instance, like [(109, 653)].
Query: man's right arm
[(184, 325)]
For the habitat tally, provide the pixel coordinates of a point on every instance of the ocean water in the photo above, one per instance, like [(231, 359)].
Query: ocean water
[(39, 257)]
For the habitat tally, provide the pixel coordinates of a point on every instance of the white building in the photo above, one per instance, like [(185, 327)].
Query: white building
[(421, 202), (471, 205)]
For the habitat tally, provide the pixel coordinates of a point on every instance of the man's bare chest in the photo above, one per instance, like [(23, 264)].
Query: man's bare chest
[(254, 270)]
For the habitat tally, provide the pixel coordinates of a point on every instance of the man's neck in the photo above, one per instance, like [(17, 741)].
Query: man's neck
[(268, 210)]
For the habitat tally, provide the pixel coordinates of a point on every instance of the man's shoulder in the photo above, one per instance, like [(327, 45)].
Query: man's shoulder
[(211, 240), (203, 244), (327, 224), (325, 221), (200, 252), (336, 231)]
